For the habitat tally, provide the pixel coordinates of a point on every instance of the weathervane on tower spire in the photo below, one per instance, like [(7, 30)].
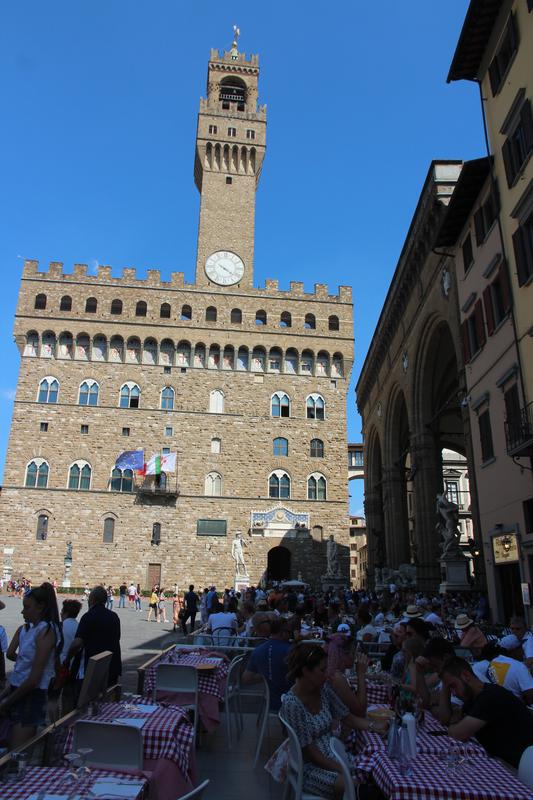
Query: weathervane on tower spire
[(234, 49)]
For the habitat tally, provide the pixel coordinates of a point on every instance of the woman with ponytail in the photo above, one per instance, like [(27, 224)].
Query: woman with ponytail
[(33, 648)]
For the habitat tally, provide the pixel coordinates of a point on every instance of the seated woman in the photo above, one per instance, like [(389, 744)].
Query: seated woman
[(34, 648), (412, 649), (310, 707), (341, 655)]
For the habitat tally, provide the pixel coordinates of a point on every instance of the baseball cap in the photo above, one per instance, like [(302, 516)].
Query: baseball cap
[(344, 628)]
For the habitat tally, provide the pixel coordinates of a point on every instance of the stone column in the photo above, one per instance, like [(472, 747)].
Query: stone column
[(374, 532), (427, 482), (395, 509)]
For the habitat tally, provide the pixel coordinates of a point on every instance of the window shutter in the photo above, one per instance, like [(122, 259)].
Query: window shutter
[(508, 162), (489, 313), (494, 76), (526, 118), (480, 324), (479, 226), (465, 341), (520, 256), (505, 286), (513, 32)]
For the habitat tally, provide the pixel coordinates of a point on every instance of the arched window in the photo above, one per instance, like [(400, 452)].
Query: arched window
[(88, 393), (48, 390), (109, 530), (91, 304), (121, 480), (116, 349), (167, 398), (66, 345), (149, 355), (79, 476), (261, 318), (213, 484), (83, 347), (183, 358), (141, 308), (213, 361), (258, 359), (337, 370), (130, 395), (215, 445), (48, 344), (228, 357), (31, 347), (290, 362), (156, 533), (333, 323), (316, 448), (316, 487), (42, 527), (100, 348), (242, 359), (306, 363), (279, 485), (232, 91), (40, 302), (315, 407), (165, 311), (280, 405), (310, 321), (65, 304), (236, 316), (285, 320), (166, 353), (199, 355), (186, 313), (211, 314), (281, 446), (274, 359), (216, 401), (116, 306), (322, 363), (37, 474), (133, 350)]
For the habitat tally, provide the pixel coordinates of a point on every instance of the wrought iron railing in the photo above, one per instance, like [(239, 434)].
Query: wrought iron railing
[(519, 432)]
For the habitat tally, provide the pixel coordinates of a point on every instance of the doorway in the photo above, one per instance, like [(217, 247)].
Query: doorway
[(153, 576), (279, 564), (511, 593)]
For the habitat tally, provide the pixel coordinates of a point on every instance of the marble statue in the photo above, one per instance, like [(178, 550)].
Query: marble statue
[(68, 554), (332, 554), (237, 554), (448, 529)]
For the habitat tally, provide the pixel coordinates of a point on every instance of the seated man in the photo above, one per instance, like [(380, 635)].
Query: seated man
[(429, 687), (222, 624), (270, 660), (499, 720), (525, 637), (501, 664)]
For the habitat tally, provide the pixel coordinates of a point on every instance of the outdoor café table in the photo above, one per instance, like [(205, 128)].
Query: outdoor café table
[(366, 746), (168, 745), (211, 683), (431, 778), (54, 780), (376, 693)]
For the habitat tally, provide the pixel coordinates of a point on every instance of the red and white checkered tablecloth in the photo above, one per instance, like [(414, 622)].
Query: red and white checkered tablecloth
[(209, 681), (376, 693), (54, 780), (365, 746), (477, 778), (167, 732)]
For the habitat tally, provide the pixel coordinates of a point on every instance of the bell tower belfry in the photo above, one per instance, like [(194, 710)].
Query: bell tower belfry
[(230, 147)]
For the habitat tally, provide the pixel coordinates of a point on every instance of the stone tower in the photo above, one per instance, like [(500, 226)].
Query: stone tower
[(230, 147)]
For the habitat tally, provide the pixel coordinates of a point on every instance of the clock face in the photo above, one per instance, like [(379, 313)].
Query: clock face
[(224, 268)]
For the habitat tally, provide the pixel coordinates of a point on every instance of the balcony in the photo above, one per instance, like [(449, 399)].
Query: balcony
[(519, 433), (158, 486)]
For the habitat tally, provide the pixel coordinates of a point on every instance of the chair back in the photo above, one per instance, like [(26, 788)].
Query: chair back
[(234, 674), (96, 678), (181, 679), (295, 764), (223, 636), (196, 793), (339, 751), (525, 767), (113, 745)]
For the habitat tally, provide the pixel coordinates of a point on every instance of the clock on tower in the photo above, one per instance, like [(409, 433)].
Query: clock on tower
[(230, 147)]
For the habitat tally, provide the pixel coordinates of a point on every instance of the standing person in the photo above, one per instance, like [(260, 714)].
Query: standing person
[(177, 606), (33, 648), (131, 594), (138, 598), (69, 612), (86, 592), (109, 601), (211, 598), (99, 629), (203, 606), (191, 609), (161, 606), (122, 592), (153, 604)]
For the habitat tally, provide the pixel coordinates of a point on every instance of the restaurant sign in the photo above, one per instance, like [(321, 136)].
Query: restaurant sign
[(505, 548)]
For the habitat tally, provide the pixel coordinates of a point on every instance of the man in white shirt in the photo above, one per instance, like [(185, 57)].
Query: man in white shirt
[(502, 665), (518, 627), (433, 615), (132, 591)]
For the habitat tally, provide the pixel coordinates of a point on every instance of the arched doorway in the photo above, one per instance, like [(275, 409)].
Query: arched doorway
[(279, 564)]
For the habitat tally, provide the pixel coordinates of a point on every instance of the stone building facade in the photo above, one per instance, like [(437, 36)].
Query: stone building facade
[(247, 385)]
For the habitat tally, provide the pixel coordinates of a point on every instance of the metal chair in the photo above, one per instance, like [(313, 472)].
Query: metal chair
[(231, 696), (196, 793), (113, 746), (525, 767), (339, 751), (223, 636), (180, 679), (295, 766)]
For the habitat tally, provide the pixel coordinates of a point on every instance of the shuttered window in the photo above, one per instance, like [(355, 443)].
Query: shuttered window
[(519, 144), (473, 332), (497, 299), (502, 60), (523, 248)]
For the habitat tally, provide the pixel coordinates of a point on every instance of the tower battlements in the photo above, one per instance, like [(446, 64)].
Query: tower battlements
[(153, 280), (232, 59)]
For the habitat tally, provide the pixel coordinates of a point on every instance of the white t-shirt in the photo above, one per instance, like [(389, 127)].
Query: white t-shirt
[(26, 655), (506, 672), (433, 618), (222, 619), (527, 645), (132, 590), (70, 626)]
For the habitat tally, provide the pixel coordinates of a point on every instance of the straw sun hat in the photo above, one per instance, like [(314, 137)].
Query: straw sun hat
[(463, 621)]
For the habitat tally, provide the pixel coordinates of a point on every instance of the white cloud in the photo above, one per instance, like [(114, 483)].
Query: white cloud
[(93, 266), (8, 394)]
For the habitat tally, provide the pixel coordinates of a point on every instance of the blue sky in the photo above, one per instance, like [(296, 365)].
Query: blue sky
[(99, 104)]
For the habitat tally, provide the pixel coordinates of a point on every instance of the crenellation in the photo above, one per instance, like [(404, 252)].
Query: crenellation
[(271, 285), (345, 294), (80, 271), (129, 274), (297, 287), (104, 273), (55, 270), (321, 290), (31, 267), (177, 280), (153, 277)]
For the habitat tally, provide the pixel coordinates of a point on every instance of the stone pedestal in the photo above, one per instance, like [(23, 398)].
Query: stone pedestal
[(241, 582), (454, 575), (66, 575), (330, 583)]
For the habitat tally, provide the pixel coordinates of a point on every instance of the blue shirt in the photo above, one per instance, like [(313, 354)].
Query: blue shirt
[(270, 660)]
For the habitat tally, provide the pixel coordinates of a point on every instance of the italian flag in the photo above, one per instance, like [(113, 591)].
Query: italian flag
[(159, 463)]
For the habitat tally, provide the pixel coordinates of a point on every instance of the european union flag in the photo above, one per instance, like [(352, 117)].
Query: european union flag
[(130, 459)]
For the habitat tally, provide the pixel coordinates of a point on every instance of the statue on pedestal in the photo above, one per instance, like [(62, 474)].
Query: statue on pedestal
[(237, 554), (449, 530), (333, 570)]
